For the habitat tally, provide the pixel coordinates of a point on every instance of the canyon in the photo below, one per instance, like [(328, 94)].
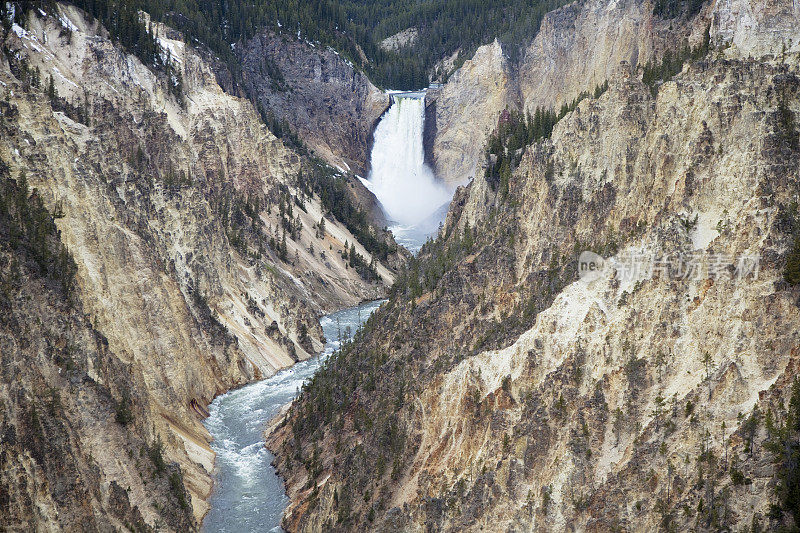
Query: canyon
[(175, 208), (502, 391), (162, 246)]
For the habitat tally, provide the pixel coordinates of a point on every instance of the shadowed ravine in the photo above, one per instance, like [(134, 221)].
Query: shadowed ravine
[(248, 495)]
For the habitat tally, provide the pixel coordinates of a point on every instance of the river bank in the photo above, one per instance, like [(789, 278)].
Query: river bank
[(248, 495)]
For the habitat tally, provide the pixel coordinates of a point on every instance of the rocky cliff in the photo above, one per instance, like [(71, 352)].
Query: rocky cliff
[(201, 264), (74, 451), (464, 110), (581, 45), (578, 47), (499, 390), (331, 106)]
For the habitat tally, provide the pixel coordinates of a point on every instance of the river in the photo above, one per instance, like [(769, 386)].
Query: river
[(248, 495)]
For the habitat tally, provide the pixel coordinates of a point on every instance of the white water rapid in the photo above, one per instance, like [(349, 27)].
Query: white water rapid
[(405, 186)]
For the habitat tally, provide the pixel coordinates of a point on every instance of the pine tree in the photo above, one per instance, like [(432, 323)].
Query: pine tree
[(52, 93), (792, 271)]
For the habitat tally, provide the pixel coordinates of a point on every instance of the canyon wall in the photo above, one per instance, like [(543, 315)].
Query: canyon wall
[(577, 48), (464, 112), (200, 266), (499, 390), (331, 106)]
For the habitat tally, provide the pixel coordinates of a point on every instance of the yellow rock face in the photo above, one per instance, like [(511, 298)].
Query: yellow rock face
[(146, 182)]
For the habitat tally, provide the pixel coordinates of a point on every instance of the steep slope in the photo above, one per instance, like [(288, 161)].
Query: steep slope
[(331, 106), (499, 391), (201, 260), (464, 110), (64, 460), (581, 45), (577, 47)]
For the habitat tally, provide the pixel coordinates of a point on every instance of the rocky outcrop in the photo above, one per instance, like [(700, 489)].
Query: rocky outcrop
[(756, 29), (577, 48), (581, 45), (465, 110), (200, 263), (500, 391), (400, 39), (330, 105)]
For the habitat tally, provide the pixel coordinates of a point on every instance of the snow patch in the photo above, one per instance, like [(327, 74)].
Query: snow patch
[(111, 87), (174, 48), (20, 31), (55, 69), (67, 23)]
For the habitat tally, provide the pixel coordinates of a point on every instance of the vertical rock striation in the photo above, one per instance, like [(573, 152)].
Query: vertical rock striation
[(466, 110), (332, 106), (578, 47)]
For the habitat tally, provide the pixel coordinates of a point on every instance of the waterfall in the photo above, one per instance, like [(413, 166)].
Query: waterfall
[(399, 178)]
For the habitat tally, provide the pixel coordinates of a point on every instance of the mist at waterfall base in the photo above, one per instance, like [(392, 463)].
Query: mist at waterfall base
[(413, 200), (248, 494)]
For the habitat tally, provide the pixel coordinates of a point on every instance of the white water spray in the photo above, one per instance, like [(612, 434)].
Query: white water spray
[(400, 179)]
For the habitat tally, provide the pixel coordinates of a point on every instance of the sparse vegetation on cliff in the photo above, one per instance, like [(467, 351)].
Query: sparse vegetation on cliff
[(789, 218), (435, 259), (331, 186), (792, 271), (121, 18), (52, 406), (365, 269), (655, 72), (783, 443), (670, 9), (515, 132), (30, 230)]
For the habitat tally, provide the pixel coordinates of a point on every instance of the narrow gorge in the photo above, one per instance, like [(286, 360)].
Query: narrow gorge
[(249, 495), (334, 266)]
